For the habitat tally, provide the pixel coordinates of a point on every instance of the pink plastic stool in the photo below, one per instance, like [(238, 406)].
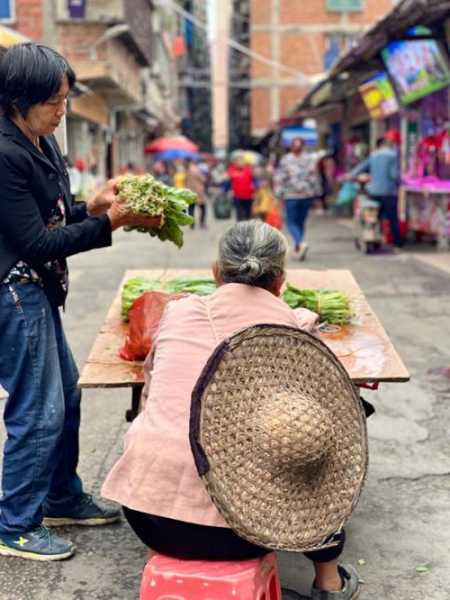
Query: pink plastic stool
[(166, 578)]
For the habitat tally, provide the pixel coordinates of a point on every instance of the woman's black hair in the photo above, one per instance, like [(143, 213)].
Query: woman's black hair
[(31, 74)]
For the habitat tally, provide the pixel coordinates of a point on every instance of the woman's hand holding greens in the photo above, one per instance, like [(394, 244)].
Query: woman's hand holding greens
[(121, 215), (106, 200), (102, 198)]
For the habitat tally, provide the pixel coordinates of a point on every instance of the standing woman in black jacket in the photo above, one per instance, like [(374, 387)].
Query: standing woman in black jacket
[(39, 229)]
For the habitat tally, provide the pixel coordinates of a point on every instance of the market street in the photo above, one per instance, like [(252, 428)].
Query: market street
[(403, 518)]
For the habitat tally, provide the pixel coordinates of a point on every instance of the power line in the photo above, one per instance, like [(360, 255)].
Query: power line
[(301, 77)]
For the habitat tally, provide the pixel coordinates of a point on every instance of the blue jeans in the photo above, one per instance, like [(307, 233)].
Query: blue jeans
[(296, 213), (42, 413)]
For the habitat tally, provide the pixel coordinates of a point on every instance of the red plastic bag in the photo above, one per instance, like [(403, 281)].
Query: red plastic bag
[(144, 317), (274, 217)]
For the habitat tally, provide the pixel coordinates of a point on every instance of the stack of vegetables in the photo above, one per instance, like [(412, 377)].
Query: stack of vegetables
[(332, 306), (143, 302), (147, 196)]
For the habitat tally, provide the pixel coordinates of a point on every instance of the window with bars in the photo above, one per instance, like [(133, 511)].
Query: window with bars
[(345, 5), (7, 10)]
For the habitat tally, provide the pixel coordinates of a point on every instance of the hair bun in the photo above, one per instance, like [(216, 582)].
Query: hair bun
[(251, 266)]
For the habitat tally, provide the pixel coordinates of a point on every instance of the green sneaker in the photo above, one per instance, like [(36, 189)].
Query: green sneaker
[(85, 511), (38, 544), (350, 588)]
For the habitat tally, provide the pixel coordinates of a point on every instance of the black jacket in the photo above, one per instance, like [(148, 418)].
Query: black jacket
[(30, 185)]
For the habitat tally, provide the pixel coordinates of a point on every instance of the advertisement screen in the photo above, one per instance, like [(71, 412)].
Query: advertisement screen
[(379, 96), (417, 67)]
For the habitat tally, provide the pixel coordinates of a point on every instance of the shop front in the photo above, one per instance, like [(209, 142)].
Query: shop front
[(424, 200), (398, 78)]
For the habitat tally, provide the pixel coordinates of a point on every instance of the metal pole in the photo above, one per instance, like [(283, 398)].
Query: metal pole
[(275, 111), (219, 70)]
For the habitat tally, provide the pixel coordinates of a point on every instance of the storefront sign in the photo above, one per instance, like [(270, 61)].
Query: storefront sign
[(417, 67), (379, 96), (307, 134)]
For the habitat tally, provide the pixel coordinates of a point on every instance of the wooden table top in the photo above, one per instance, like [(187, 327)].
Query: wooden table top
[(363, 347)]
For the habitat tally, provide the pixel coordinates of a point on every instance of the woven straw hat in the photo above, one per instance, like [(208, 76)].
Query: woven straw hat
[(279, 437)]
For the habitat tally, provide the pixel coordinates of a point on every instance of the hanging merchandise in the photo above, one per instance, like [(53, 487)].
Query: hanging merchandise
[(179, 47)]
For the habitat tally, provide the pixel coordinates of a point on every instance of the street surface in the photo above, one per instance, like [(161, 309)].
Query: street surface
[(403, 519)]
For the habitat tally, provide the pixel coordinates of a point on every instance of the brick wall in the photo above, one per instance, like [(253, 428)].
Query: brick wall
[(303, 29), (76, 40), (29, 18)]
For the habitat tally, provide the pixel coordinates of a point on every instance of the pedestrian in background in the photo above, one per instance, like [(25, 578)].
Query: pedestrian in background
[(161, 172), (74, 178), (179, 176), (264, 199), (383, 166), (40, 227), (242, 187), (297, 183), (195, 181), (327, 173)]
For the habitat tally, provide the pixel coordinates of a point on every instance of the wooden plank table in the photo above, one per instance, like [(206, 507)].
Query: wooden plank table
[(363, 347)]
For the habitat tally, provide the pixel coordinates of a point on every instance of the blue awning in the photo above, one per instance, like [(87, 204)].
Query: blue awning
[(308, 134)]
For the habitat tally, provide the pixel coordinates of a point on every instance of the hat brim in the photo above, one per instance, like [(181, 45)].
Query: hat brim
[(285, 510)]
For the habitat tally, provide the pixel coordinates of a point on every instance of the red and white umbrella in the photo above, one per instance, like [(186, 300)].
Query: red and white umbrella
[(178, 142)]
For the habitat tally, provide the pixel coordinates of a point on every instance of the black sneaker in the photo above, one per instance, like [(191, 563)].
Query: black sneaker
[(38, 544), (86, 511)]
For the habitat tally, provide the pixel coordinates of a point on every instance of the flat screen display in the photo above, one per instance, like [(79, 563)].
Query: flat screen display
[(379, 96), (417, 68)]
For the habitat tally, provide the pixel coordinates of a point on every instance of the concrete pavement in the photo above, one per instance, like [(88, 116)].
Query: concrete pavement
[(403, 519)]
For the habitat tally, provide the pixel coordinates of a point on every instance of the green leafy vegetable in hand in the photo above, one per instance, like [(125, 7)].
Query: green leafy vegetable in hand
[(147, 196), (332, 306), (137, 286)]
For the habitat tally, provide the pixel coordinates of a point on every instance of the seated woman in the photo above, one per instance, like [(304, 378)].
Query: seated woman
[(156, 480)]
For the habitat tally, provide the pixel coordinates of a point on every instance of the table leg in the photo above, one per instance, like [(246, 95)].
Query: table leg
[(132, 412)]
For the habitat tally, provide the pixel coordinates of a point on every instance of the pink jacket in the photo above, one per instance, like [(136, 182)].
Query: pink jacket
[(156, 473)]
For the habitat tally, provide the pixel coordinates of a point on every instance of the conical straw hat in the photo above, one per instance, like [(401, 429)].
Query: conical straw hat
[(279, 437)]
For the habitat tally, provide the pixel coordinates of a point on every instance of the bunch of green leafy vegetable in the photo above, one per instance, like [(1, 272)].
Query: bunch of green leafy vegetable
[(137, 286), (147, 196), (332, 306)]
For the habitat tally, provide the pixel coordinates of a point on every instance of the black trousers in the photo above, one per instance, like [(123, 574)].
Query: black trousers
[(243, 209), (188, 541), (389, 211), (202, 209)]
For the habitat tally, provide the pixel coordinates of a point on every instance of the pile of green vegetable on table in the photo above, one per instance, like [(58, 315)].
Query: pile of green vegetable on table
[(332, 306), (147, 196)]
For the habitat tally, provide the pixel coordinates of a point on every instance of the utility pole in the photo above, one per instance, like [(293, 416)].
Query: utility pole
[(275, 108), (219, 73)]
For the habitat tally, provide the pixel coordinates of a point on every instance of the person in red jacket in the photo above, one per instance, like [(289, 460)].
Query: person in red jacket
[(242, 187)]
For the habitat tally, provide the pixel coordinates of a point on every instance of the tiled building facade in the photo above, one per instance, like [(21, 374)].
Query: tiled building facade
[(305, 36)]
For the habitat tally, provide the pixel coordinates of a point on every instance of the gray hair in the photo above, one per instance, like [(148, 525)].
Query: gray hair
[(253, 253)]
